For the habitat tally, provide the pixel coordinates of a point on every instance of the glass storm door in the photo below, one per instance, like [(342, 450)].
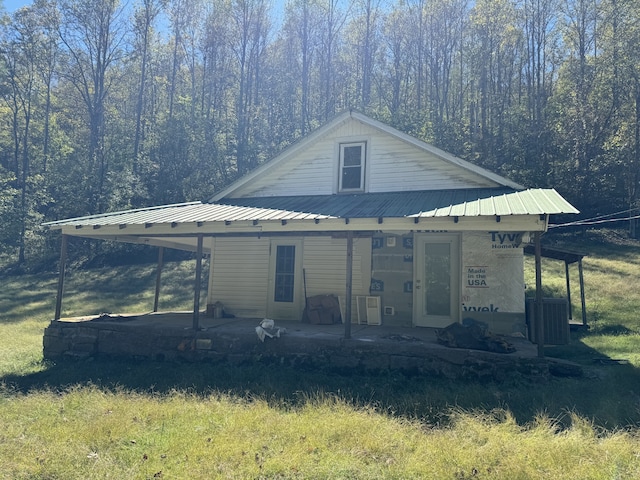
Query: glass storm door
[(436, 286), (285, 267)]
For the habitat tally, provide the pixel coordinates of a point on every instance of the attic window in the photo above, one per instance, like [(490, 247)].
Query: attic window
[(352, 164)]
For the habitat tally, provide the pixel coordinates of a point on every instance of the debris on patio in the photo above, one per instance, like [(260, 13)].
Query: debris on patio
[(472, 336), (267, 328), (322, 310)]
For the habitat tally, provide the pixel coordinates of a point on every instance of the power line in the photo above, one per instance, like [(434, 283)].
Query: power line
[(596, 222)]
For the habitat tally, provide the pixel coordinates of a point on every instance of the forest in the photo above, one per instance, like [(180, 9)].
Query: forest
[(109, 105)]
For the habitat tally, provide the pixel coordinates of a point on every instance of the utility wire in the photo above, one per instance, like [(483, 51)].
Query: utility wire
[(602, 216), (594, 221)]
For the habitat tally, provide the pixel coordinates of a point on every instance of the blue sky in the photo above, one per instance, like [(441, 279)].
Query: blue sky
[(13, 5)]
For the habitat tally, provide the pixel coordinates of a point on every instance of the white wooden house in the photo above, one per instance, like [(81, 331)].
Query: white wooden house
[(412, 235)]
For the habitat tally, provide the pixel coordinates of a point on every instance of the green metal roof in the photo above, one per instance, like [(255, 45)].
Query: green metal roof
[(422, 204), (432, 203)]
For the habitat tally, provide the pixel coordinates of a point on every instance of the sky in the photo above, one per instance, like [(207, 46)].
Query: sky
[(12, 5)]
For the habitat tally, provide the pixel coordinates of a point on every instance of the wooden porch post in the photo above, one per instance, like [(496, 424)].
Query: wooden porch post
[(158, 278), (347, 306), (582, 299), (196, 296), (63, 265), (539, 316), (566, 274)]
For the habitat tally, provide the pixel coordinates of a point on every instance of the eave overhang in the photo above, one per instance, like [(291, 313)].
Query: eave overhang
[(178, 225)]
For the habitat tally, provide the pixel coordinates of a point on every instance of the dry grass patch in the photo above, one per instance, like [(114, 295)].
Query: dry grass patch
[(89, 433)]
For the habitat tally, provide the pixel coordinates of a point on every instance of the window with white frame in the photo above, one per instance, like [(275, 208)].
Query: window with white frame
[(352, 165)]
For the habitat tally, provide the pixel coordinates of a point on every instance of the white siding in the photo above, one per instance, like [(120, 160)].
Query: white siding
[(398, 166), (325, 267), (392, 165), (240, 275)]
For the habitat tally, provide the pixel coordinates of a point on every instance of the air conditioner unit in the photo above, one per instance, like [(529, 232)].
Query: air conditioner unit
[(555, 317)]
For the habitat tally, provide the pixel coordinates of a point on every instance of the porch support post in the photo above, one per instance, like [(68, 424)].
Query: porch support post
[(158, 278), (196, 296), (539, 315), (582, 299), (566, 274), (63, 265), (347, 306)]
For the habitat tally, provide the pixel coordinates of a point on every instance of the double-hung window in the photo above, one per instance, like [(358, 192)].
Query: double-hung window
[(352, 166), (285, 273)]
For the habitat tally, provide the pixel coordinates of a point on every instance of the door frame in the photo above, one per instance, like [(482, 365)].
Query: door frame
[(285, 310), (419, 241)]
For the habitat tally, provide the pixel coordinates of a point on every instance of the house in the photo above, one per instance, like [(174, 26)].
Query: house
[(402, 232)]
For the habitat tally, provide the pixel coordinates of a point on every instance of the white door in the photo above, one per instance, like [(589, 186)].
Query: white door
[(285, 300), (436, 284)]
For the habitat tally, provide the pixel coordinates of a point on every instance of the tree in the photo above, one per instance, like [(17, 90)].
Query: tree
[(93, 34), (144, 19), (250, 27)]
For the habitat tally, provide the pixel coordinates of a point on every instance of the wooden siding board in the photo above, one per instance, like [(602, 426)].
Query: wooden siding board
[(398, 166), (392, 165), (325, 265), (240, 275), (240, 272)]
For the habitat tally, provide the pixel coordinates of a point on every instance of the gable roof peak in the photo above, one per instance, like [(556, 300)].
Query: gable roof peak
[(354, 115)]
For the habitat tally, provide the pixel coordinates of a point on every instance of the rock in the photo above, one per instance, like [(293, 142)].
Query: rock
[(472, 337)]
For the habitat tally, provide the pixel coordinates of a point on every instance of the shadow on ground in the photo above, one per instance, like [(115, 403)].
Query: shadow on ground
[(608, 395)]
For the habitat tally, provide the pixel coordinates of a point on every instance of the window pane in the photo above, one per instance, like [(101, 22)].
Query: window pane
[(351, 178), (285, 273), (352, 156)]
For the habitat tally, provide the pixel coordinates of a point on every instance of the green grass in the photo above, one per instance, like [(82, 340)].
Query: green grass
[(127, 419), (87, 432)]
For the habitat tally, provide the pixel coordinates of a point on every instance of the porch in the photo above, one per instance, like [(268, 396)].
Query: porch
[(171, 336)]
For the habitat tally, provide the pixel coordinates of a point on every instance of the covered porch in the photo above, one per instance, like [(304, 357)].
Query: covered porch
[(170, 336), (197, 227)]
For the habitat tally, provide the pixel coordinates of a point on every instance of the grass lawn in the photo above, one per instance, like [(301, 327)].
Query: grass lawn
[(125, 419)]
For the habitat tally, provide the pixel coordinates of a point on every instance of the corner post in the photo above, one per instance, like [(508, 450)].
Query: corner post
[(566, 274), (539, 315), (198, 286), (583, 302), (349, 286), (156, 296), (63, 265)]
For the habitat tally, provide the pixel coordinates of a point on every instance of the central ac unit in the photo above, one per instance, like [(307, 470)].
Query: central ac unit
[(555, 318)]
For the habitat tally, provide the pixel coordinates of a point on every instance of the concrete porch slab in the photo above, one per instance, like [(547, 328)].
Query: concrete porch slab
[(170, 336)]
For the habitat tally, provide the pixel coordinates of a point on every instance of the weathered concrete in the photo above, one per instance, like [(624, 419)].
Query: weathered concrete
[(169, 336)]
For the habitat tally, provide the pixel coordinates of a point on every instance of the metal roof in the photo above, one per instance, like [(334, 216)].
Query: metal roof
[(420, 204), (431, 203), (194, 212)]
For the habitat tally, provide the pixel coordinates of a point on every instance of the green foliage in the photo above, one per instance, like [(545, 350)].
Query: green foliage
[(8, 212), (127, 115)]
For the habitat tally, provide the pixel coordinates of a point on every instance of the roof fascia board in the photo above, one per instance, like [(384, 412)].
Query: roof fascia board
[(519, 223)]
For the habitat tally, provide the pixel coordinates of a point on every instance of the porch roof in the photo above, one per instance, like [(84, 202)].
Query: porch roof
[(429, 203), (313, 208)]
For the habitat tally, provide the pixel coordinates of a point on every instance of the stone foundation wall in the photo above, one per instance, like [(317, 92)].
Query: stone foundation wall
[(82, 340)]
